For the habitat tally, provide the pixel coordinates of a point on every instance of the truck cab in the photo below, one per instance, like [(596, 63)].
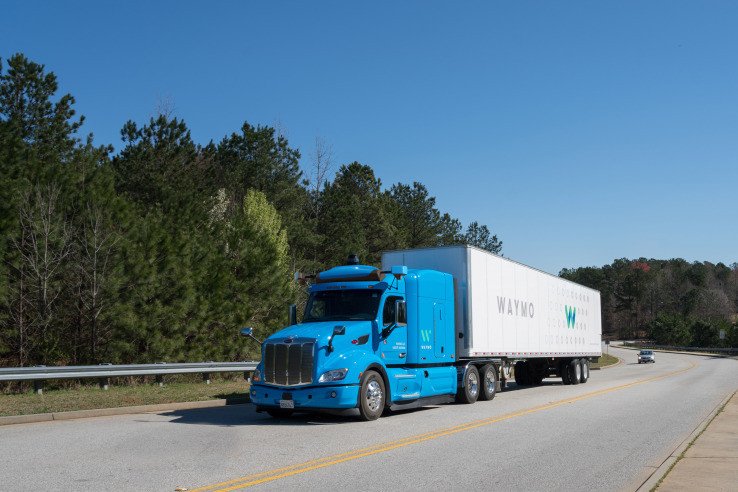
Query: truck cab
[(369, 339)]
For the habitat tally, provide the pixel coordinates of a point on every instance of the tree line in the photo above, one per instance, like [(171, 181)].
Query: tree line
[(672, 302), (161, 250)]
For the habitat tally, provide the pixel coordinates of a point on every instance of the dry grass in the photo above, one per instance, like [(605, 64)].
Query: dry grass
[(86, 397), (605, 360)]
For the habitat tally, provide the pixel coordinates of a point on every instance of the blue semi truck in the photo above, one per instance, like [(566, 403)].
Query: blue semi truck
[(431, 326)]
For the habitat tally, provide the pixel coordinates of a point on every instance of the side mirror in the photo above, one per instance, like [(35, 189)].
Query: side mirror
[(400, 313), (337, 330), (249, 332)]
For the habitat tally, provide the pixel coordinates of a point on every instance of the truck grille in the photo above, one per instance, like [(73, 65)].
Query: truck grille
[(288, 364)]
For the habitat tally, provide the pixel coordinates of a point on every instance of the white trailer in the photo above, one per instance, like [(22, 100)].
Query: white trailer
[(511, 313)]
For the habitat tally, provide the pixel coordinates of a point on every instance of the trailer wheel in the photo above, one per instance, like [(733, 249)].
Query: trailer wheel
[(470, 392), (564, 370), (489, 382), (522, 373), (371, 396), (585, 370), (535, 372), (575, 371), (279, 413)]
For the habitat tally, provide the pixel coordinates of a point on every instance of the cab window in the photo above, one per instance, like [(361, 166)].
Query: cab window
[(388, 313)]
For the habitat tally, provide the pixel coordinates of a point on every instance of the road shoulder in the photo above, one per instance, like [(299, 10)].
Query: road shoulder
[(707, 459)]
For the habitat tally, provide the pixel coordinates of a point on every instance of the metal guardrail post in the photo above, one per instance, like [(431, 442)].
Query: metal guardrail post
[(206, 377), (160, 380), (104, 384), (38, 385)]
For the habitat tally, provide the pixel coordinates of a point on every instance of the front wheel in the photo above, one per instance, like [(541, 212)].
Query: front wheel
[(489, 382), (371, 396), (470, 392)]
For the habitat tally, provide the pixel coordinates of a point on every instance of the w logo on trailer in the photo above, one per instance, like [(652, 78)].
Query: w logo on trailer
[(571, 316), (425, 335)]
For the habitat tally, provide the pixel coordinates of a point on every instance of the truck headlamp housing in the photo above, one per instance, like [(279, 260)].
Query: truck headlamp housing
[(256, 376), (334, 375)]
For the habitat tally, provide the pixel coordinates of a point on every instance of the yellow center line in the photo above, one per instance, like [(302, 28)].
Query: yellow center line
[(288, 471)]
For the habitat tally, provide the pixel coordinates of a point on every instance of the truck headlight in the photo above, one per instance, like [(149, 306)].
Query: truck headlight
[(334, 375), (256, 376)]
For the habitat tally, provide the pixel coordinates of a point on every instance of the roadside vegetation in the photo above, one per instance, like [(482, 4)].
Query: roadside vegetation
[(604, 361), (669, 302), (87, 397), (160, 250)]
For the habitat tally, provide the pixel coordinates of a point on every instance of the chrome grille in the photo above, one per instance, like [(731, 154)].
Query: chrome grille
[(288, 364)]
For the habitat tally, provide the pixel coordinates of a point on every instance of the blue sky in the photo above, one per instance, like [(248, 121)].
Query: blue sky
[(579, 132)]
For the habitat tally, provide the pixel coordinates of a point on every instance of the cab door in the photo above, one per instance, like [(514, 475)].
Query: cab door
[(439, 331), (393, 338)]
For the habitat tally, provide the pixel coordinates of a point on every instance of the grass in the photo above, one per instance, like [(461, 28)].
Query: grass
[(605, 360), (86, 397)]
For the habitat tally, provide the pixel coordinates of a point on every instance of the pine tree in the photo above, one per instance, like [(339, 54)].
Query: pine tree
[(356, 217)]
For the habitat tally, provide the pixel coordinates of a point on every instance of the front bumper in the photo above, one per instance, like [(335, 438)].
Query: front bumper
[(308, 398)]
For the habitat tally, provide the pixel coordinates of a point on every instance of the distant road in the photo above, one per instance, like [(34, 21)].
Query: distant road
[(608, 434)]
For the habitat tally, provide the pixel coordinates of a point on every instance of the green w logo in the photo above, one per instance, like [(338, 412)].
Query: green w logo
[(425, 335), (571, 316)]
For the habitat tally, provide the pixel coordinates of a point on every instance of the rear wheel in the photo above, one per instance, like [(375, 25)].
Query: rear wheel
[(279, 413), (575, 371), (535, 372), (470, 392), (585, 370), (564, 371), (489, 382), (371, 396), (522, 373)]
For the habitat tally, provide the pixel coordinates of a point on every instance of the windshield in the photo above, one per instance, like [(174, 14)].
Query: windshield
[(645, 352), (342, 305)]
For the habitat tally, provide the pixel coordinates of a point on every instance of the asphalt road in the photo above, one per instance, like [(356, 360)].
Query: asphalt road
[(608, 434)]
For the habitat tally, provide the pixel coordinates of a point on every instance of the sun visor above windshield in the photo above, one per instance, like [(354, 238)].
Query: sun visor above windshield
[(350, 273)]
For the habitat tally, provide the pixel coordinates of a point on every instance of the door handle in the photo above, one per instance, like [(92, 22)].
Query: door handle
[(402, 355)]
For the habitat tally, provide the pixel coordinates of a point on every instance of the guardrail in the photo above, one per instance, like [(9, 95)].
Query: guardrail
[(707, 350), (103, 372)]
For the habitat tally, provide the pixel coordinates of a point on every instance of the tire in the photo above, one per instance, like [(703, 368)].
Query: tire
[(522, 373), (372, 396), (535, 373), (575, 371), (470, 392), (585, 370), (564, 370), (488, 387), (279, 413)]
